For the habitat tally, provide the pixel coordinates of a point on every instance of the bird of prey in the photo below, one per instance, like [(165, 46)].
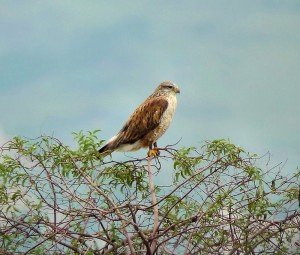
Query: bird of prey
[(147, 123)]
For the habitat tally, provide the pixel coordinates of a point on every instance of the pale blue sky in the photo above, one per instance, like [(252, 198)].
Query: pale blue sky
[(72, 65)]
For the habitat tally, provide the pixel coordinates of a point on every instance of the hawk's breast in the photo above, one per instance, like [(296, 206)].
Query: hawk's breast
[(165, 120)]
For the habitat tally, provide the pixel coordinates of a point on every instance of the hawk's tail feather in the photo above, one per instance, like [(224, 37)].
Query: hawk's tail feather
[(103, 149), (106, 149)]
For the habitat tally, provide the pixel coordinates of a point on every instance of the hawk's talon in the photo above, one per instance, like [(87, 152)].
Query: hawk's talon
[(153, 152)]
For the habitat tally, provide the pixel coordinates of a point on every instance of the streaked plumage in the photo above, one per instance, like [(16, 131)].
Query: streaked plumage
[(148, 122)]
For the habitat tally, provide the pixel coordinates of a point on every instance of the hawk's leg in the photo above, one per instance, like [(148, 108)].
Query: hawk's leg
[(153, 152), (156, 148)]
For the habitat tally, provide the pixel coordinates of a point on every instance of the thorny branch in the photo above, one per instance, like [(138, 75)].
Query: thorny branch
[(58, 200)]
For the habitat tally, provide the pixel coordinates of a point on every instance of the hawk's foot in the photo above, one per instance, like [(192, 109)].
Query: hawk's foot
[(153, 152)]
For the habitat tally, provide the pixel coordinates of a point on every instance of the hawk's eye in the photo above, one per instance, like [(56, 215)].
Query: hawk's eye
[(169, 86)]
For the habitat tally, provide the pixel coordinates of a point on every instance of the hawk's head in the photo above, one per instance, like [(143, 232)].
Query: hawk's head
[(166, 88)]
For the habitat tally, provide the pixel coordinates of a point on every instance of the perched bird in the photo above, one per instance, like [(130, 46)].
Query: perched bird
[(148, 122)]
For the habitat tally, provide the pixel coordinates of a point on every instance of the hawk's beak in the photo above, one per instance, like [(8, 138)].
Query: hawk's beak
[(177, 90)]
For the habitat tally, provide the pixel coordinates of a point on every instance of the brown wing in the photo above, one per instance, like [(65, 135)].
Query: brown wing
[(145, 119)]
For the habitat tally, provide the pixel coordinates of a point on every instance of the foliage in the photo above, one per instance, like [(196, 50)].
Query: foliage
[(58, 200)]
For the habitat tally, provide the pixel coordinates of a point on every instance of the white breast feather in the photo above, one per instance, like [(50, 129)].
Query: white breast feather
[(166, 117)]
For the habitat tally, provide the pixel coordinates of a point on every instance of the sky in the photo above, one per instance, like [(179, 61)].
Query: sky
[(68, 65)]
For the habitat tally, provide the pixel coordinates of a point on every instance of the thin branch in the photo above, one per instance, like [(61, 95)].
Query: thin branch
[(155, 207)]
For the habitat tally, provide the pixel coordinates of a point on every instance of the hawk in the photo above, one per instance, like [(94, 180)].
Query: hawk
[(147, 123)]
